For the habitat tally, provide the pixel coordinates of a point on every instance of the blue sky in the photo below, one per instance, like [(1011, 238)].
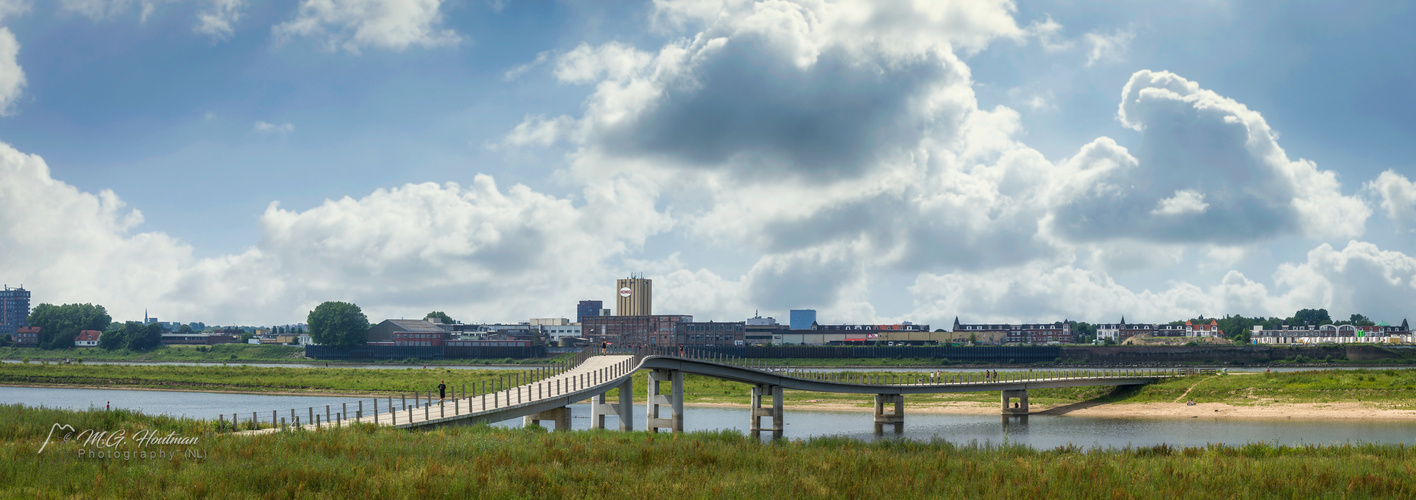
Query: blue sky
[(239, 161)]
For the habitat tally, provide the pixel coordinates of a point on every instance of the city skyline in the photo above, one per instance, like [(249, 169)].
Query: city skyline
[(236, 161)]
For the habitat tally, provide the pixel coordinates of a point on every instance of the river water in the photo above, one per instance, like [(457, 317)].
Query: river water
[(1038, 431)]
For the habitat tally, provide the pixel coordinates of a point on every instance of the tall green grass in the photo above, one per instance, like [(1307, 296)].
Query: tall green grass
[(482, 462)]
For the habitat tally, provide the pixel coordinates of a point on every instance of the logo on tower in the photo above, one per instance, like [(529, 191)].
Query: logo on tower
[(625, 292)]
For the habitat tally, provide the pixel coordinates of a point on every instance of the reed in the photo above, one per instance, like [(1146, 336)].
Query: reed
[(366, 462)]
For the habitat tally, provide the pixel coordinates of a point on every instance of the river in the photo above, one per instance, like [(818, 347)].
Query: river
[(1039, 431)]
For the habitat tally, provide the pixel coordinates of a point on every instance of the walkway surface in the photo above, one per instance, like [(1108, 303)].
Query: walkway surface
[(597, 374)]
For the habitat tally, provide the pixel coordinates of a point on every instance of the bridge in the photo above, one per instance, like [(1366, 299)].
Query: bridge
[(590, 375)]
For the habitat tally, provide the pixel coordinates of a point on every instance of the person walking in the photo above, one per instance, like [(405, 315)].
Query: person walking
[(442, 390)]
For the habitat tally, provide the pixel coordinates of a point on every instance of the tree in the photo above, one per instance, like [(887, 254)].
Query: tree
[(6, 340), (340, 325), (439, 317), (142, 337), (1360, 320), (113, 339), (1310, 317), (60, 325), (184, 329)]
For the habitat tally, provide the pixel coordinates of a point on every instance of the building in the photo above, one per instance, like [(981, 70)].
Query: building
[(710, 333), (422, 338), (27, 336), (802, 319), (14, 310), (561, 331), (384, 332), (761, 331), (906, 333), (635, 297), (1332, 334), (202, 339), (635, 330), (1119, 332), (1026, 333), (549, 322), (87, 338), (589, 308)]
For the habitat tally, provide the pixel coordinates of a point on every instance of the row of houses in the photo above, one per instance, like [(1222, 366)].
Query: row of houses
[(1333, 334)]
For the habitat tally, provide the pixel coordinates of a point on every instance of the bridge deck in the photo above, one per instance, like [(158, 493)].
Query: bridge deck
[(599, 374)]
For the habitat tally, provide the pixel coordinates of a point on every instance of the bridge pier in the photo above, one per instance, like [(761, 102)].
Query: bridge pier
[(653, 421), (624, 409), (561, 416), (1022, 406), (775, 392), (895, 418)]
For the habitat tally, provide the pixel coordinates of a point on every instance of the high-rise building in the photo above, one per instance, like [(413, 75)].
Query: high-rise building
[(588, 308), (801, 319), (635, 297), (14, 309)]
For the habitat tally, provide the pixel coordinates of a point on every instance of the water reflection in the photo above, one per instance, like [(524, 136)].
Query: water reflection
[(1038, 431)]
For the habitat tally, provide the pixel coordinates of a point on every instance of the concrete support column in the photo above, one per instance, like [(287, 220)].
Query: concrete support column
[(895, 418), (654, 420), (599, 409), (1022, 404), (561, 416), (775, 392)]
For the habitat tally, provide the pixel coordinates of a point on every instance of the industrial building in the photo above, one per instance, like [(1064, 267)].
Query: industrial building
[(634, 330), (635, 297)]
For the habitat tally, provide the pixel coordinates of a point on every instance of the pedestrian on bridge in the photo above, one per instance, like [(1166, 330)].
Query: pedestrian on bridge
[(442, 390)]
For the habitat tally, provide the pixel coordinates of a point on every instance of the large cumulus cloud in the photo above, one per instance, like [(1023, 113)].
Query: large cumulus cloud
[(480, 251), (808, 129), (1208, 170)]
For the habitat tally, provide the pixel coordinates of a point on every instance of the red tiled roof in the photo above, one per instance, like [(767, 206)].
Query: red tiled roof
[(28, 329), (89, 335)]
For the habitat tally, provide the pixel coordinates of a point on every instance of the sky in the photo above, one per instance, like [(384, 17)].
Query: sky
[(242, 161)]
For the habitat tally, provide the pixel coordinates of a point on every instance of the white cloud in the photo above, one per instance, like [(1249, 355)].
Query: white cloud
[(478, 252), (219, 16), (1107, 48), (12, 76), (1184, 202), (1357, 279), (10, 8), (72, 246), (516, 72), (100, 10), (539, 131), (1214, 150), (276, 129), (356, 24), (1049, 35), (1398, 197)]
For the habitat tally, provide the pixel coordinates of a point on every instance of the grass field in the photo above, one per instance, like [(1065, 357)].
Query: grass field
[(482, 462), (188, 353), (236, 353)]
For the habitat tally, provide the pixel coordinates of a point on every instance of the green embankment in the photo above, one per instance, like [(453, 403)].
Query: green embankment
[(482, 462), (187, 353), (1390, 388)]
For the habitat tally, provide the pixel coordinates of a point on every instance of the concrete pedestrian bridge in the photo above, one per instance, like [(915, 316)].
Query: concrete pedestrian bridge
[(548, 394)]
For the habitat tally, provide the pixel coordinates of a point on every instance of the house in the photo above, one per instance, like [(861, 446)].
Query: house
[(87, 338), (27, 336)]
